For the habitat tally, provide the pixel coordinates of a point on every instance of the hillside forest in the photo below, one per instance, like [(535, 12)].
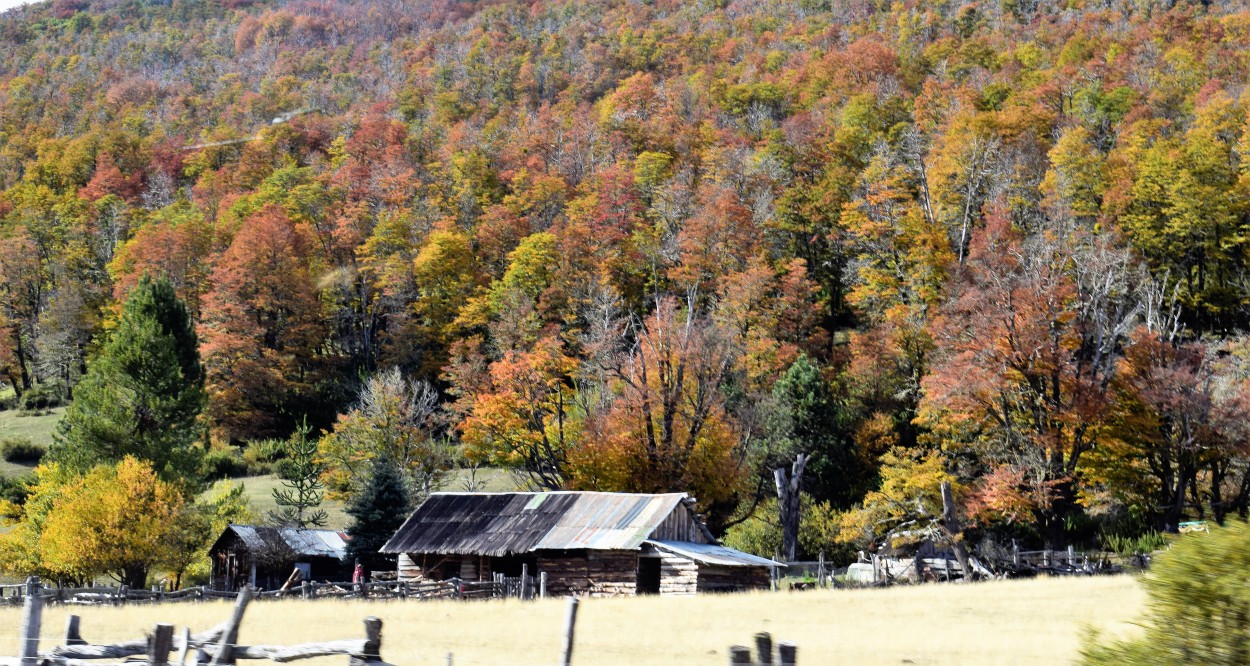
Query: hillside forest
[(643, 246)]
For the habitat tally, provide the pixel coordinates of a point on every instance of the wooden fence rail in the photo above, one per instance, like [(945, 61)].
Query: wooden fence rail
[(217, 646), (416, 590)]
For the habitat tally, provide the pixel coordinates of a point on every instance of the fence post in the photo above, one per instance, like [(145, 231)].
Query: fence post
[(32, 622), (186, 645), (159, 644), (570, 622), (372, 652), (305, 589), (542, 585), (763, 649), (1015, 554), (72, 637), (739, 654), (1071, 555), (786, 653), (225, 648), (525, 574)]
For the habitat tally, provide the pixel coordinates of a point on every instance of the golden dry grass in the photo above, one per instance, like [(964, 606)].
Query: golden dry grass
[(1014, 622)]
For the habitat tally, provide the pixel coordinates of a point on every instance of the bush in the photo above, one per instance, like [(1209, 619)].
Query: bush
[(21, 450), (1199, 606), (224, 464), (261, 454), (17, 489), (40, 397)]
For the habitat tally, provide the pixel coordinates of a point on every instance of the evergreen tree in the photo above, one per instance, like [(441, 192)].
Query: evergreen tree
[(302, 489), (810, 419), (377, 512), (142, 394)]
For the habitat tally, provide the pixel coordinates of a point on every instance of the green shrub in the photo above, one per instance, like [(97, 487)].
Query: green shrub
[(261, 454), (1131, 545), (17, 489), (40, 397), (21, 450), (224, 464), (1199, 606)]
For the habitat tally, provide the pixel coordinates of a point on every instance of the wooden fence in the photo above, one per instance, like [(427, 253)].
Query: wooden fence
[(215, 647), (525, 587), (786, 654)]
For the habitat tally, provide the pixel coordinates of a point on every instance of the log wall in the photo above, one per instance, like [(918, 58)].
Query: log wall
[(679, 576), (593, 573), (407, 568)]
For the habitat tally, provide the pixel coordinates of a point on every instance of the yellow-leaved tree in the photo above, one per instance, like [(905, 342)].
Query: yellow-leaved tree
[(908, 506), (112, 521)]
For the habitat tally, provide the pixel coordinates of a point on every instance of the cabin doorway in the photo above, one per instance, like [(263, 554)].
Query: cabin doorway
[(648, 575)]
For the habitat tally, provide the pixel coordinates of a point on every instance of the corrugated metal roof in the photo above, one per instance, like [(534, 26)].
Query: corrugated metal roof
[(713, 554), (317, 543), (504, 523), (305, 542)]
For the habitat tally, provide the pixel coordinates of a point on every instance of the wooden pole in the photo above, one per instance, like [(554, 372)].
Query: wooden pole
[(739, 654), (72, 637), (763, 649), (32, 623), (186, 645), (525, 575), (542, 585), (372, 652), (225, 649), (786, 653), (159, 645), (570, 622)]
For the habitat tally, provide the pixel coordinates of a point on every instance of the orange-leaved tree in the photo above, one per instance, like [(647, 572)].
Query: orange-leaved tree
[(262, 326), (665, 427)]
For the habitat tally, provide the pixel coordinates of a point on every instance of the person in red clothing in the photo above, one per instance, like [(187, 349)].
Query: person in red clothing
[(358, 574)]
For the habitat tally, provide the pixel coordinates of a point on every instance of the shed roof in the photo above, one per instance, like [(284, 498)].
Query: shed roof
[(302, 542), (712, 554), (497, 524)]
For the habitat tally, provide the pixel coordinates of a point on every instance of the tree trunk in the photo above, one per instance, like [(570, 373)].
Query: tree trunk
[(950, 522), (788, 504)]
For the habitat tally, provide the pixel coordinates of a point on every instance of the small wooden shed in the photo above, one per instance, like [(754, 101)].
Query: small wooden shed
[(587, 543), (265, 556)]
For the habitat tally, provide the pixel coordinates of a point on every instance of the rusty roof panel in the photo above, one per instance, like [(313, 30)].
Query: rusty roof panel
[(503, 523)]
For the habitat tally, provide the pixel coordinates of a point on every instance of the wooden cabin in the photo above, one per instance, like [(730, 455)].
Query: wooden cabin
[(587, 543), (264, 557)]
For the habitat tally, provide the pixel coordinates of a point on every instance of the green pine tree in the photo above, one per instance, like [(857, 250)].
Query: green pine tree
[(302, 491), (142, 394), (377, 512), (810, 420)]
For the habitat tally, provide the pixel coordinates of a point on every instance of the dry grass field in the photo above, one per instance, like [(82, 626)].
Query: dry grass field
[(1014, 622)]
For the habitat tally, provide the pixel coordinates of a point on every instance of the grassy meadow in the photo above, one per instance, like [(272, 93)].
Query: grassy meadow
[(1008, 622), (18, 424)]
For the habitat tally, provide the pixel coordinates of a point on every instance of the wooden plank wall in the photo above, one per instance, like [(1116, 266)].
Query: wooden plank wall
[(714, 578), (609, 573), (679, 526)]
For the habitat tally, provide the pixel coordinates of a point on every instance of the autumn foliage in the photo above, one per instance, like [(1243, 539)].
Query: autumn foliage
[(1010, 240)]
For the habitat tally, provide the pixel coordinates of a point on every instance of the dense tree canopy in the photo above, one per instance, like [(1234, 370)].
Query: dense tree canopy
[(648, 246)]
